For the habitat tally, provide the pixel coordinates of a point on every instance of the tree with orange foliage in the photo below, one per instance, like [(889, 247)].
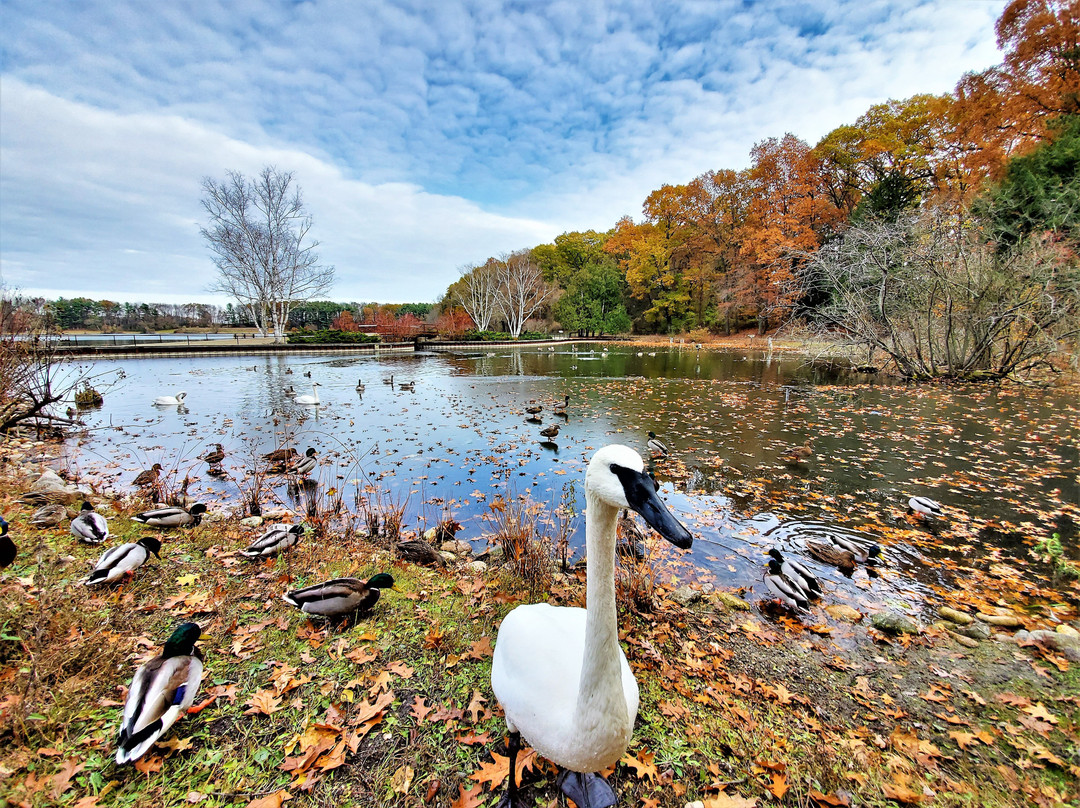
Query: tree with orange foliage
[(344, 322)]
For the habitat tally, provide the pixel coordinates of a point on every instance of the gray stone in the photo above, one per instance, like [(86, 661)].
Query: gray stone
[(953, 615), (476, 567), (685, 596), (977, 630), (894, 622), (457, 547), (1052, 640), (726, 601), (250, 521)]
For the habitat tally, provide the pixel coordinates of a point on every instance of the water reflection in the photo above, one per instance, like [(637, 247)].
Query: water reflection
[(460, 437)]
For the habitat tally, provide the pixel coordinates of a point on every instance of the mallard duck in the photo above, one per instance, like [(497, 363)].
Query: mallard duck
[(173, 516), (313, 399), (161, 691), (558, 672), (534, 409), (8, 550), (560, 409), (551, 431), (306, 464), (62, 496), (797, 573), (656, 446), (48, 516), (864, 552), (420, 552), (280, 455), (90, 526), (831, 554), (276, 538), (339, 596), (924, 506), (785, 590), (798, 454), (215, 457), (170, 401), (126, 558), (149, 477)]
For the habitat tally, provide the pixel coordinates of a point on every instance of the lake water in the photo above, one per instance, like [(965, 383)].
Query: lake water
[(1006, 457)]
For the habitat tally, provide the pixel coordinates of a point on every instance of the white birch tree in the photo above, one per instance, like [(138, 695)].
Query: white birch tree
[(258, 235), (521, 289), (479, 294)]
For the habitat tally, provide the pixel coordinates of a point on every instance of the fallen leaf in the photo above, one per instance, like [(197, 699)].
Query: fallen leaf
[(402, 779), (61, 781), (270, 800), (468, 799)]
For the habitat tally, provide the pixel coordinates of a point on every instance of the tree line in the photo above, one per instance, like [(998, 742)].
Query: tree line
[(938, 233)]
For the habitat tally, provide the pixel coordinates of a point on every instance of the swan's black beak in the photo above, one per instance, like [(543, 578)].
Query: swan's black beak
[(640, 491)]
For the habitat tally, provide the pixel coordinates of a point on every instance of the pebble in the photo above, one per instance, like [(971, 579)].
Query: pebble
[(953, 615), (250, 521), (841, 611), (685, 595), (1067, 630), (894, 622), (1002, 620), (967, 642), (976, 631), (476, 567), (457, 547), (1063, 643), (729, 601)]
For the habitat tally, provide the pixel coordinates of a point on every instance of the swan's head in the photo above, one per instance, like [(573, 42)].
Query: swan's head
[(616, 475), (181, 396)]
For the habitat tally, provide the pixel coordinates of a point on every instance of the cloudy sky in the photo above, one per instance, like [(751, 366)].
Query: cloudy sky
[(426, 135)]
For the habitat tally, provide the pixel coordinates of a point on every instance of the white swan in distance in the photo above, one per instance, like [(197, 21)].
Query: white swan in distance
[(170, 401), (312, 399), (559, 672)]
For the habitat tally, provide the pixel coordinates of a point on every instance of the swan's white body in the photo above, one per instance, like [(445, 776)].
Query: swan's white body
[(558, 672), (312, 399), (170, 401)]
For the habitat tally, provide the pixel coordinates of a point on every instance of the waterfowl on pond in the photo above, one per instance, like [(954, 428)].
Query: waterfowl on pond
[(785, 590), (125, 559), (339, 596), (797, 573), (551, 431), (275, 539), (560, 409), (306, 464), (149, 477), (656, 446), (171, 401), (420, 552), (558, 672), (410, 386), (798, 454), (280, 455), (864, 552), (534, 409), (313, 399), (173, 516), (831, 554), (161, 691), (90, 526), (8, 550), (360, 386), (924, 506), (48, 515)]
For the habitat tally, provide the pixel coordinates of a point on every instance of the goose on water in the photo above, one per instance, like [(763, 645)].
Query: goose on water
[(339, 596), (161, 692), (656, 446), (174, 516), (8, 550), (90, 526), (558, 672), (126, 558), (313, 399), (924, 506), (276, 538), (170, 401), (360, 386)]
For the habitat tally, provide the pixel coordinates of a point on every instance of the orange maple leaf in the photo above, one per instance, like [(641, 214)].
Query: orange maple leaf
[(149, 765), (270, 800), (642, 764), (263, 702), (420, 709), (779, 786), (468, 799)]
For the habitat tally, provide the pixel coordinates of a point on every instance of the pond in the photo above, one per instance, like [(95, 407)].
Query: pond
[(1004, 461)]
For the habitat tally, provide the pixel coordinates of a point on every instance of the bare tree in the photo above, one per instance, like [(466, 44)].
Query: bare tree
[(925, 293), (258, 235), (521, 290), (479, 295)]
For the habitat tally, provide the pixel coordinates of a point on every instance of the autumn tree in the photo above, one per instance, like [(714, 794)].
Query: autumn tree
[(476, 292), (258, 234), (592, 303), (520, 289), (344, 322)]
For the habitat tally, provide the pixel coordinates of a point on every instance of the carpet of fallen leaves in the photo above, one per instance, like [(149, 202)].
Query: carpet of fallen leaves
[(738, 708)]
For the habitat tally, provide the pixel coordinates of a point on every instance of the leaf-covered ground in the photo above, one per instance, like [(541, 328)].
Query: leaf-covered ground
[(738, 708)]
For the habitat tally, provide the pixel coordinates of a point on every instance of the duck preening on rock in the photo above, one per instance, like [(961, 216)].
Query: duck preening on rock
[(90, 526), (558, 672), (125, 559), (48, 516), (170, 401), (149, 477), (784, 590), (174, 516), (924, 506), (8, 550), (797, 573), (656, 446), (340, 596), (161, 692), (274, 540)]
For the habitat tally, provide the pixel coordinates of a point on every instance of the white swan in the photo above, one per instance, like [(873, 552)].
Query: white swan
[(558, 672), (170, 401), (312, 399)]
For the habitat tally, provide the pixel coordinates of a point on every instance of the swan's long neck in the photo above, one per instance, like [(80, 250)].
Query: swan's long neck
[(601, 701), (315, 393)]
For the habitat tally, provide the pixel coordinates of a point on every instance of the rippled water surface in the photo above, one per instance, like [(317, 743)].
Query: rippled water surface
[(461, 438)]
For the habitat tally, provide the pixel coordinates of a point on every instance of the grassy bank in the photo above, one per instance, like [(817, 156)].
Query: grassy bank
[(738, 708)]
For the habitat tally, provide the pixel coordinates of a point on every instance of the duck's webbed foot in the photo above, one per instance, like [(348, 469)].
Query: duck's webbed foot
[(587, 790)]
